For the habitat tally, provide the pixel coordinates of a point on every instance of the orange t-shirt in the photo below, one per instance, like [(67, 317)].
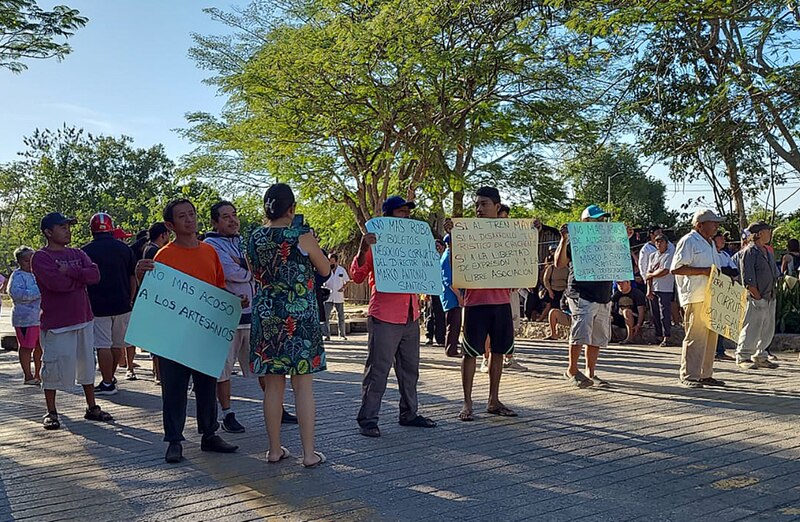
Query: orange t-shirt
[(201, 262)]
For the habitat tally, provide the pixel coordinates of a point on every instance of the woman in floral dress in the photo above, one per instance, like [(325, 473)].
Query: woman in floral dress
[(286, 338)]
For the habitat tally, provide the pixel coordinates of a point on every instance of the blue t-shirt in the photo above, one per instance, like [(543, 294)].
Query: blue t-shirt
[(448, 297)]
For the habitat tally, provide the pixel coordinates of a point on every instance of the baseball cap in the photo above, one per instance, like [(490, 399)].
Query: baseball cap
[(703, 215), (119, 233), (758, 226), (56, 218), (101, 222), (394, 202), (594, 212)]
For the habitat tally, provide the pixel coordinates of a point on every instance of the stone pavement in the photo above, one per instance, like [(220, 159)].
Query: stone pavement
[(645, 449)]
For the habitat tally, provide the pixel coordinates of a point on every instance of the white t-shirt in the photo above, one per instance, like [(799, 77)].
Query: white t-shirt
[(693, 250), (336, 282)]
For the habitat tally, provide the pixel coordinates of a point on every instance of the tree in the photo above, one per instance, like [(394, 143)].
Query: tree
[(637, 199), (352, 101), (712, 81), (29, 32)]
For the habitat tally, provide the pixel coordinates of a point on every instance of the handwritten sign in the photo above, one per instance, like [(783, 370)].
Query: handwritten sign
[(184, 319), (405, 257), (495, 253), (600, 252), (724, 305)]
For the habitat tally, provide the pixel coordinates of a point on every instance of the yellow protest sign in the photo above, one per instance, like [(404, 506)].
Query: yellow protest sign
[(494, 253), (724, 305)]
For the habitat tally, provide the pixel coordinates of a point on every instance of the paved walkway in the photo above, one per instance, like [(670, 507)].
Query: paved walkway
[(645, 449)]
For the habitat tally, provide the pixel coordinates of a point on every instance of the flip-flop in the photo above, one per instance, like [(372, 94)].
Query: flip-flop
[(321, 460), (502, 411), (466, 416), (284, 455)]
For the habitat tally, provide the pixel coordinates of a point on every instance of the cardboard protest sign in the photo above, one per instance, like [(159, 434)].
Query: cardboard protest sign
[(494, 253), (405, 259), (600, 251), (184, 319), (724, 305)]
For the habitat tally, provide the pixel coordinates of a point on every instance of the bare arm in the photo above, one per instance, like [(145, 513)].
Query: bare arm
[(561, 251), (692, 271)]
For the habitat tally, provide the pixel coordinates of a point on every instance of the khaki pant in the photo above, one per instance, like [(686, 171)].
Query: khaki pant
[(699, 345), (757, 331)]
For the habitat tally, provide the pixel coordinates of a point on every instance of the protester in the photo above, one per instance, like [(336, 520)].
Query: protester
[(67, 332), (239, 281), (661, 288), (691, 265), (286, 334), (555, 283), (111, 299), (650, 248), (435, 323), (790, 262), (558, 316), (759, 275), (487, 318), (197, 259), (393, 338), (627, 310), (590, 308), (138, 246), (336, 283), (730, 268), (452, 304), (27, 298), (157, 237)]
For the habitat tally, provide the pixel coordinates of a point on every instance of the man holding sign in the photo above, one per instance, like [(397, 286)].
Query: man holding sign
[(393, 327), (589, 301), (199, 260), (691, 265), (759, 276), (487, 315)]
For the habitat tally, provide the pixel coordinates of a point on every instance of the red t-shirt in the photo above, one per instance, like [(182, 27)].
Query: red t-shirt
[(487, 296)]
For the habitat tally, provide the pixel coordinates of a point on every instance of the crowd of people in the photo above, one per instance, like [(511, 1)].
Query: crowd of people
[(72, 308)]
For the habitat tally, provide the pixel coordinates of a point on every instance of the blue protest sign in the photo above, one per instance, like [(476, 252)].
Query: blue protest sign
[(184, 319), (600, 251), (405, 257)]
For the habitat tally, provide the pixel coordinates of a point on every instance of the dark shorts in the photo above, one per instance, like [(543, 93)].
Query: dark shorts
[(619, 321), (493, 321)]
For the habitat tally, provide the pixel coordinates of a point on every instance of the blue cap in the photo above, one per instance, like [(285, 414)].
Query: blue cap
[(594, 212), (56, 218), (394, 202)]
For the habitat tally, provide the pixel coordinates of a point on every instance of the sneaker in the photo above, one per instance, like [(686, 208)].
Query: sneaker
[(429, 342), (512, 364), (217, 445), (343, 338), (765, 363), (485, 365), (691, 383), (114, 381), (723, 357), (579, 380), (746, 365), (710, 381), (231, 425), (174, 453), (327, 337), (130, 376), (105, 389)]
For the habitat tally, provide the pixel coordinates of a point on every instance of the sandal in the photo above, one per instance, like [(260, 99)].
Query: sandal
[(32, 382), (321, 460), (50, 421), (466, 416), (284, 455), (502, 411), (96, 414)]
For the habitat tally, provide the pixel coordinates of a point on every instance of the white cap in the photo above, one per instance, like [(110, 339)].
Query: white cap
[(703, 215)]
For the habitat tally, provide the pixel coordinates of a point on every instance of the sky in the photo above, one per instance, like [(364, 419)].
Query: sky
[(130, 73)]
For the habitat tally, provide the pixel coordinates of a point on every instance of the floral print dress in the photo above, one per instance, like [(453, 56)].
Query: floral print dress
[(285, 335)]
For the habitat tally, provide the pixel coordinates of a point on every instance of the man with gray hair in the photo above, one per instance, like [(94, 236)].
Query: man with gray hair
[(691, 266), (759, 276)]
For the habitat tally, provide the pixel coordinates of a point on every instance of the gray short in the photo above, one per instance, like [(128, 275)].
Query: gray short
[(68, 357), (591, 322)]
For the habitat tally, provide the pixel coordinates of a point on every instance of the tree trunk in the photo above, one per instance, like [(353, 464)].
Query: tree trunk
[(732, 170), (458, 203)]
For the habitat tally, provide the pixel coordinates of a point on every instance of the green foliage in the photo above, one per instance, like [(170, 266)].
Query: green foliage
[(27, 31), (79, 174), (787, 315), (638, 199)]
